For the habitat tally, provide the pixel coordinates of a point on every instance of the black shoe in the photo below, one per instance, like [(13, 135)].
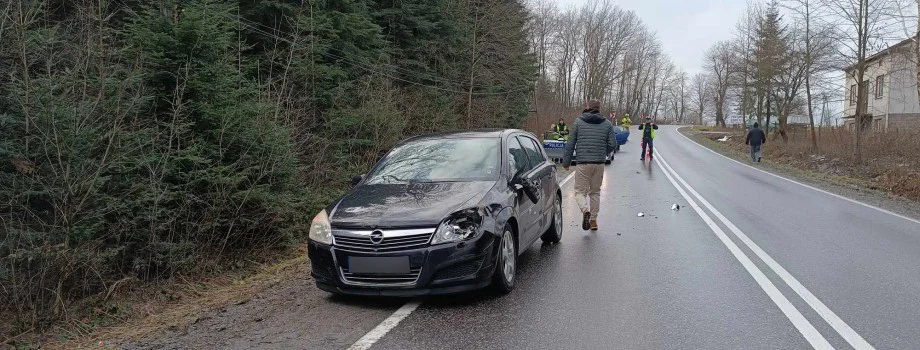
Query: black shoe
[(586, 221), (759, 159), (641, 158)]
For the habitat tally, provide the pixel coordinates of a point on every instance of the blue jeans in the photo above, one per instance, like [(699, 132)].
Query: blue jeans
[(755, 153)]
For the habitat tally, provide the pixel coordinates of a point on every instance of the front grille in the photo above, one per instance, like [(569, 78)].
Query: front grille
[(363, 243), (459, 270), (382, 279)]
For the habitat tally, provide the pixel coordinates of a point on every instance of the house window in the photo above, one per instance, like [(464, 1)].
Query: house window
[(879, 86), (853, 94)]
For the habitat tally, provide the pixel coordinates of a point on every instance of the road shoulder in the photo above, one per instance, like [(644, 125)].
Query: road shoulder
[(841, 185)]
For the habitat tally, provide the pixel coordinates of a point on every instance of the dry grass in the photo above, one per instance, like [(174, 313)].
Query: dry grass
[(143, 309), (891, 161)]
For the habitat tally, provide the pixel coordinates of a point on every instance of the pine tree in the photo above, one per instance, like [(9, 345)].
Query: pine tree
[(769, 50)]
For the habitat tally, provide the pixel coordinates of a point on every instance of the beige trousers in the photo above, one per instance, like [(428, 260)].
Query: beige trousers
[(588, 180)]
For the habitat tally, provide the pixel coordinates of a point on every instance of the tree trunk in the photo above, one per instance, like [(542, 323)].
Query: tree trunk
[(860, 75), (469, 102), (811, 115), (809, 57), (766, 127)]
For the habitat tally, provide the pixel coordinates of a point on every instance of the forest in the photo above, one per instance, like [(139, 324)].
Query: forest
[(147, 139)]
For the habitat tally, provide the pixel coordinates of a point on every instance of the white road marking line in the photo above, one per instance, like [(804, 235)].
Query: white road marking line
[(829, 316), (806, 185), (567, 178), (384, 327), (393, 320), (804, 327)]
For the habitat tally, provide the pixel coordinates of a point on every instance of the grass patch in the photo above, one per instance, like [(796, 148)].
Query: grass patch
[(140, 309), (890, 161)]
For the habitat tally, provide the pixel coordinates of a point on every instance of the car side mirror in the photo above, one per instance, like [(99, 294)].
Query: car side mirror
[(356, 180), (523, 185)]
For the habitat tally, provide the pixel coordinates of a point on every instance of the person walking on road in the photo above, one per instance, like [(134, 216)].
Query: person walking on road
[(594, 138), (756, 138), (648, 135)]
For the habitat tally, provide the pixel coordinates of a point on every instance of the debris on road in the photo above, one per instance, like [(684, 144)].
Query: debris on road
[(641, 214), (675, 206)]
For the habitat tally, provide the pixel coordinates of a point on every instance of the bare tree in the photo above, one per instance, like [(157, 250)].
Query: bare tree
[(678, 96), (542, 29), (745, 38), (865, 25), (721, 64), (599, 50), (702, 94), (817, 42), (607, 32)]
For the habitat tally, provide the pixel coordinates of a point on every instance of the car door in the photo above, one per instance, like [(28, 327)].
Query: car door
[(542, 171), (527, 211)]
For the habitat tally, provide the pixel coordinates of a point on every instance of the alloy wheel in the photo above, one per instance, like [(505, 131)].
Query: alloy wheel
[(508, 257)]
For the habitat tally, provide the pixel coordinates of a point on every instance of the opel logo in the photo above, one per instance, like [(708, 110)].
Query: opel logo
[(377, 237)]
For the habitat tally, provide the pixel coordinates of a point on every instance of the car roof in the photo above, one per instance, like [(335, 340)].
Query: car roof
[(478, 133)]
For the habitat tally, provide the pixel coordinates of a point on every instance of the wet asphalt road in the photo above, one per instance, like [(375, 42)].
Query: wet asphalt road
[(667, 281)]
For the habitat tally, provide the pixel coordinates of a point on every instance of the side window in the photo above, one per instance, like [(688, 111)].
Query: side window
[(533, 153), (517, 157)]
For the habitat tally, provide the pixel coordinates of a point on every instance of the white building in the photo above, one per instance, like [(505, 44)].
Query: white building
[(891, 80), (737, 120)]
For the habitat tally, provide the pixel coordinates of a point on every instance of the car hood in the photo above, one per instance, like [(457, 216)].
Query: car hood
[(406, 205)]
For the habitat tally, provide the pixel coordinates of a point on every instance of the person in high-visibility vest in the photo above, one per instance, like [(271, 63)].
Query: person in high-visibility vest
[(562, 130), (626, 122), (648, 135)]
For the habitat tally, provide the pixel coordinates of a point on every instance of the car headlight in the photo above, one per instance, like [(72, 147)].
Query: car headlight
[(321, 229), (464, 224)]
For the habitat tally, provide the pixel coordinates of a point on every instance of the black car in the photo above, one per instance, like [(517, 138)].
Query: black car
[(440, 213)]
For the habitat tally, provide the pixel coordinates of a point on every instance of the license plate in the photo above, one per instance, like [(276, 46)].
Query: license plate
[(387, 265)]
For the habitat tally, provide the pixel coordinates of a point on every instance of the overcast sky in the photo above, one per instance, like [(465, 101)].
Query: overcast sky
[(685, 28)]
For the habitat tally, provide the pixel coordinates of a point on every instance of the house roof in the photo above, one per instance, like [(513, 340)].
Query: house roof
[(881, 53)]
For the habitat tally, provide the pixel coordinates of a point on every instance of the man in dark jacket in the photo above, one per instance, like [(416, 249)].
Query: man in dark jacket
[(594, 138), (756, 138)]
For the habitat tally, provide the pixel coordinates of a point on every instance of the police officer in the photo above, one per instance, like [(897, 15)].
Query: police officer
[(562, 130)]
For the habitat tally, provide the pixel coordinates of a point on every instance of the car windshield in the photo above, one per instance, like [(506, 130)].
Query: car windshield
[(441, 160)]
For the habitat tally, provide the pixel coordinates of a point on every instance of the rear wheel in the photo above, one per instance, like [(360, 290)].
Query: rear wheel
[(504, 277), (554, 233)]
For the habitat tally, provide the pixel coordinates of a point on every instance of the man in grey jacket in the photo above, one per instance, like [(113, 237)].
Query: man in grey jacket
[(594, 138)]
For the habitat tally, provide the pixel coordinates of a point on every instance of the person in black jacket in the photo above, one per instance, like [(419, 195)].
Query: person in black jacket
[(593, 136), (756, 138)]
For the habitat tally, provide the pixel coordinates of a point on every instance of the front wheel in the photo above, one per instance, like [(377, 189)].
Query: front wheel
[(504, 276), (554, 233)]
